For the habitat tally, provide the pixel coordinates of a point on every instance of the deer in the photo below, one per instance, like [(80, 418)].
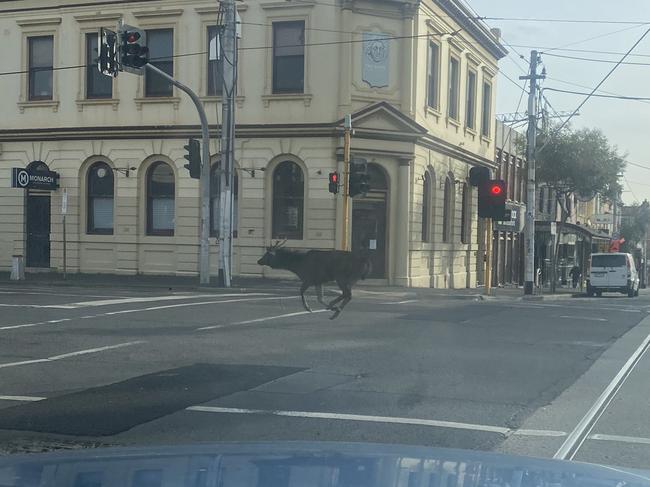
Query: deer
[(317, 267)]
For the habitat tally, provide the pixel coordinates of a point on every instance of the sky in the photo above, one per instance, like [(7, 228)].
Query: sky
[(625, 123)]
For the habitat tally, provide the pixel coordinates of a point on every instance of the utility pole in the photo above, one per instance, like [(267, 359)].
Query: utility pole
[(228, 61), (347, 134), (530, 157)]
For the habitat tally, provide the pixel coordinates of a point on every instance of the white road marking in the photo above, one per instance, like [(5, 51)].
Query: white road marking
[(201, 303), (402, 302), (137, 310), (29, 325), (379, 419), (142, 299), (585, 318), (71, 354), (22, 398), (592, 308), (260, 320), (622, 439)]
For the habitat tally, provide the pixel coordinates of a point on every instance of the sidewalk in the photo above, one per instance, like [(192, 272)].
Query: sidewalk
[(243, 284)]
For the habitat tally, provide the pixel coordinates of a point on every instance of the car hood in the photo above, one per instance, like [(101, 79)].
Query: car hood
[(303, 464)]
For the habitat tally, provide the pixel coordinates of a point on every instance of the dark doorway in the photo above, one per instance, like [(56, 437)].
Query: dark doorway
[(369, 222), (37, 224)]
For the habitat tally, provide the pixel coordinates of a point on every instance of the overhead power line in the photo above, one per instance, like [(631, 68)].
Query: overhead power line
[(605, 78), (598, 95), (594, 60)]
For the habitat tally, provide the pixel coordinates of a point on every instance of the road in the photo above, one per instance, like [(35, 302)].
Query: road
[(98, 366)]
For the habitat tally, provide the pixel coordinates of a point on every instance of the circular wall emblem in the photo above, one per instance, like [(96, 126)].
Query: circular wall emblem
[(23, 178)]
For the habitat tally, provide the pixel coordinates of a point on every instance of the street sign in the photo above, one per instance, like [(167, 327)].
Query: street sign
[(603, 219), (45, 180)]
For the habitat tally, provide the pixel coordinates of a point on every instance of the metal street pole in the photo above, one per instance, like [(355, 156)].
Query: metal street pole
[(204, 258), (530, 157), (228, 61), (488, 256), (347, 127)]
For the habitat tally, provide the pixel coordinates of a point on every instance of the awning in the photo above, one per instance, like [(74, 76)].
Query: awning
[(581, 230)]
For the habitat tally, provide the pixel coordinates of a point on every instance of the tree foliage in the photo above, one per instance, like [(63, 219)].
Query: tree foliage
[(580, 162), (634, 228)]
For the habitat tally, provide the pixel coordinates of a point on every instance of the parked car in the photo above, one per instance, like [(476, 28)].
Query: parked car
[(612, 272)]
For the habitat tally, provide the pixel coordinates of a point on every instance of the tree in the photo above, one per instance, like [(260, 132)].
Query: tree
[(634, 228), (580, 163)]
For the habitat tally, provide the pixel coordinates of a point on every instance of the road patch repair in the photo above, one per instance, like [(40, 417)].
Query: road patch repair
[(114, 408)]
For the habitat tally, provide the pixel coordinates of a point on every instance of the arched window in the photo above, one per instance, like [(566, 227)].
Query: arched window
[(160, 199), (100, 192), (215, 200), (448, 210), (426, 208), (466, 215), (288, 201)]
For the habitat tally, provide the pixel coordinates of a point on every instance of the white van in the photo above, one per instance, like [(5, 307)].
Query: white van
[(615, 272)]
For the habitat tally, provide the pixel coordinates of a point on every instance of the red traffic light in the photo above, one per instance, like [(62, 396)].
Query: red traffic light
[(132, 37), (496, 190), (334, 177)]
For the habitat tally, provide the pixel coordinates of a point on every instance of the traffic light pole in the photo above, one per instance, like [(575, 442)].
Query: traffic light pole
[(488, 255), (529, 266), (347, 134), (204, 259)]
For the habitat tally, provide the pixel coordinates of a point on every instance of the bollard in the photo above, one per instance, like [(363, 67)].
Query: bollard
[(17, 268)]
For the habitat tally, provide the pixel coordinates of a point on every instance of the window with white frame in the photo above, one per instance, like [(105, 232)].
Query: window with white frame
[(40, 61), (454, 87), (289, 57), (161, 191)]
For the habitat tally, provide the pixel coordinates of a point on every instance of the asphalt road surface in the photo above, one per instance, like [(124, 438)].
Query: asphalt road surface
[(98, 365)]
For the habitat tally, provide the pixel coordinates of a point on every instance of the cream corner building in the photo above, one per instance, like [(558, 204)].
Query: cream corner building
[(418, 77)]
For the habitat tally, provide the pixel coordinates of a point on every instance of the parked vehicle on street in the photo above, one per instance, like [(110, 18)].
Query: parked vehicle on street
[(612, 272)]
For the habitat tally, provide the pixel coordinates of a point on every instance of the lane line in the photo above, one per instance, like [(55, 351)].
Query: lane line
[(381, 419), (22, 398), (29, 325), (144, 299), (592, 308), (356, 417), (584, 318), (260, 320), (71, 354), (201, 303), (401, 302), (582, 430), (137, 310), (621, 439)]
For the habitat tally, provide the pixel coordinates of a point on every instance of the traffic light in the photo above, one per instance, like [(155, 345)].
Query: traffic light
[(334, 182), (359, 178), (134, 53), (492, 199), (193, 155), (478, 174), (107, 53)]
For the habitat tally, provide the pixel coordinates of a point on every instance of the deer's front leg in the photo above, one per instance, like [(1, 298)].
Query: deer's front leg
[(303, 288)]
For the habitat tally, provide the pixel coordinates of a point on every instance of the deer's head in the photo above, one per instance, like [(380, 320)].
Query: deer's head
[(271, 253)]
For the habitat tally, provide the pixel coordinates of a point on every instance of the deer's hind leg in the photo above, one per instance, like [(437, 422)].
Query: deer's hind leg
[(319, 294), (345, 298), (303, 288)]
